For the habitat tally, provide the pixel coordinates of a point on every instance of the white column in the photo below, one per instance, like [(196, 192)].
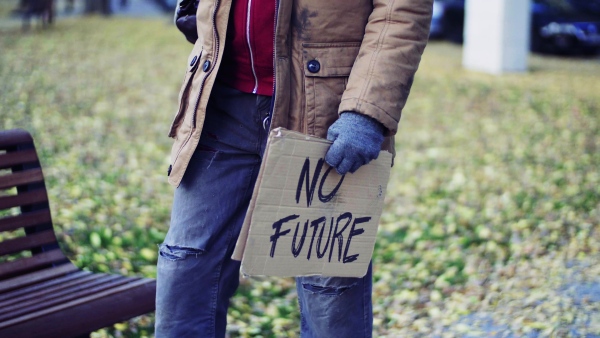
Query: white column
[(496, 37)]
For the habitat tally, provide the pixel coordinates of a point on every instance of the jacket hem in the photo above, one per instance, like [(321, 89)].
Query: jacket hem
[(371, 110)]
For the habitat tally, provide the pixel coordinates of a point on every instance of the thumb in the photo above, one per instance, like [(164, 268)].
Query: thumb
[(335, 154), (332, 133)]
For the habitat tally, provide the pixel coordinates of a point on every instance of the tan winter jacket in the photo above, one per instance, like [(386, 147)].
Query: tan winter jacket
[(367, 52)]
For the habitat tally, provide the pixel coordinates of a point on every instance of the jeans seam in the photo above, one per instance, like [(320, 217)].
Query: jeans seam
[(221, 261), (258, 122), (365, 307), (367, 302), (218, 284), (250, 180), (215, 299), (300, 310), (262, 134), (259, 145)]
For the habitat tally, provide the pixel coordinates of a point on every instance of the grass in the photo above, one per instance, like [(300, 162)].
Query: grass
[(6, 7), (494, 197)]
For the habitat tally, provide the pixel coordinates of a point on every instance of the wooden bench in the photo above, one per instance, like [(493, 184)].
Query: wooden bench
[(42, 294)]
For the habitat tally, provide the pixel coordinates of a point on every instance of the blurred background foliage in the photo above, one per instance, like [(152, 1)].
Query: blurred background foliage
[(492, 213)]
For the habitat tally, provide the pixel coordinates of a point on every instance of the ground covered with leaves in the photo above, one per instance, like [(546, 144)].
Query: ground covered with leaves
[(491, 224)]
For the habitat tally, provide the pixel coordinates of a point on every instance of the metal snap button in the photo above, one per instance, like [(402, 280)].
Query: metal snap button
[(206, 66), (194, 61), (313, 66)]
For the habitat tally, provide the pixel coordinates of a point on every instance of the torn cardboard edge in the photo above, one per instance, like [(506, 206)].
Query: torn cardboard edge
[(304, 218)]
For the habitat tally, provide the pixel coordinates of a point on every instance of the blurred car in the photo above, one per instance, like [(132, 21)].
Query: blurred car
[(448, 20), (565, 27), (557, 26)]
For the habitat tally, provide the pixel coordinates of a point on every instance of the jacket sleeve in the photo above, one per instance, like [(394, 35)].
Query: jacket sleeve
[(395, 37)]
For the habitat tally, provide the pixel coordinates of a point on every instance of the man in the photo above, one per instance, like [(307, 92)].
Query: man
[(340, 69)]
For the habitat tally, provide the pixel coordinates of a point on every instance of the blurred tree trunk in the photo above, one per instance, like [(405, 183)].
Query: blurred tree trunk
[(98, 6)]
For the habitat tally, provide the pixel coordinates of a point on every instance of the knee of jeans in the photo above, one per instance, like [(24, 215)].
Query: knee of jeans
[(176, 253), (328, 286)]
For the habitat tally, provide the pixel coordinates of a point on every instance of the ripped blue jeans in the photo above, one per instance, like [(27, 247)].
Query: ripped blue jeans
[(196, 276)]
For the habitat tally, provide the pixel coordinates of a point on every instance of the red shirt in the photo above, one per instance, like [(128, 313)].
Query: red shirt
[(248, 59)]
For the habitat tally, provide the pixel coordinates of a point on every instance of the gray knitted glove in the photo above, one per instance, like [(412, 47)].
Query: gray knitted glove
[(356, 140)]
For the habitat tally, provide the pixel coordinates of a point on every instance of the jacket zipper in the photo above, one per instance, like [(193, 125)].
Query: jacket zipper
[(269, 117), (250, 47), (187, 86), (217, 42)]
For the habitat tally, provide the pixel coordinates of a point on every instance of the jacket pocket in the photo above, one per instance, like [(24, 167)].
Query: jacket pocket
[(327, 67), (184, 92)]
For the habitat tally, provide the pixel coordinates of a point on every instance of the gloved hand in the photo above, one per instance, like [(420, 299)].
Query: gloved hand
[(357, 140), (185, 18)]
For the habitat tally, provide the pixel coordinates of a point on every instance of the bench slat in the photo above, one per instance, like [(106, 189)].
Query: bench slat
[(47, 289), (106, 282), (14, 137), (73, 318), (25, 220), (21, 178), (36, 277), (34, 240), (31, 263), (14, 158), (96, 282), (27, 198), (43, 285)]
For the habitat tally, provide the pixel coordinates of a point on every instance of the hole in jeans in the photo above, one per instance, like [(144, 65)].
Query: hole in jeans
[(176, 253), (327, 290)]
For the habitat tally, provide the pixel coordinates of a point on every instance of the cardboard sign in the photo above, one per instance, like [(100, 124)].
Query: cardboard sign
[(306, 219)]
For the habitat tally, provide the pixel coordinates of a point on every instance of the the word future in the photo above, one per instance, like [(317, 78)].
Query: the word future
[(318, 245)]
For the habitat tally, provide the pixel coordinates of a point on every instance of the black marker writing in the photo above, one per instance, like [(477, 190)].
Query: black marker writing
[(353, 232), (343, 224), (305, 178), (338, 234), (278, 233), (314, 224), (296, 250), (327, 198), (319, 253)]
